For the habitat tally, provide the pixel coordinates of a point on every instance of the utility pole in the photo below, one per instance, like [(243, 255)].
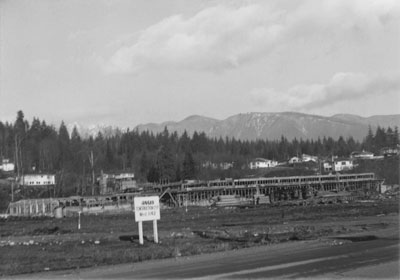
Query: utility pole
[(84, 179), (16, 155), (12, 191), (91, 160)]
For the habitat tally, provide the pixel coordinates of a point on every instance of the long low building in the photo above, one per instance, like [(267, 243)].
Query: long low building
[(37, 180), (276, 188), (205, 193)]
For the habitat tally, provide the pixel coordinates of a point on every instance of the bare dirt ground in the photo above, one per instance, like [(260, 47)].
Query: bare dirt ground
[(37, 245)]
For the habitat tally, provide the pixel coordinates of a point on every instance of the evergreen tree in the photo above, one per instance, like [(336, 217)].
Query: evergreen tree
[(109, 156), (341, 147), (396, 140), (153, 176), (283, 147), (184, 143), (188, 167), (76, 148), (20, 125), (369, 140), (166, 164), (144, 164), (20, 129), (352, 146), (178, 173), (199, 143), (34, 136), (64, 145), (380, 140), (392, 137)]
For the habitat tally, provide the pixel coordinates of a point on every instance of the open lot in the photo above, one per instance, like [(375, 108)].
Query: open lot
[(35, 245)]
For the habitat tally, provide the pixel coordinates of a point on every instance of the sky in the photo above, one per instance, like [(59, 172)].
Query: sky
[(124, 63)]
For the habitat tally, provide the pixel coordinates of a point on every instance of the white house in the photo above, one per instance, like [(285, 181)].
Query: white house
[(221, 165), (294, 160), (38, 180), (209, 164), (343, 164), (7, 166), (390, 151), (306, 158), (262, 163), (226, 165), (338, 164), (362, 155)]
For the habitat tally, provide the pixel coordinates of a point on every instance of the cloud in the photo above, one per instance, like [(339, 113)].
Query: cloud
[(226, 36), (342, 87), (212, 39)]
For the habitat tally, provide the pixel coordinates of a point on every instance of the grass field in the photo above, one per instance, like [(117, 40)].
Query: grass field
[(32, 245)]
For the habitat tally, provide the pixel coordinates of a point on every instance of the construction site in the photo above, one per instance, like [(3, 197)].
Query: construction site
[(228, 192), (197, 217)]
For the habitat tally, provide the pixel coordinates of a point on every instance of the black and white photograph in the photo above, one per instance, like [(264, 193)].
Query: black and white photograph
[(201, 139)]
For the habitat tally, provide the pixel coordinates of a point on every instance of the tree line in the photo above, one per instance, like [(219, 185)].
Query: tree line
[(38, 147)]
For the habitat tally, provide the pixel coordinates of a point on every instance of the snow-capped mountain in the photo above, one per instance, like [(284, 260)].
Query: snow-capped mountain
[(251, 126), (93, 130)]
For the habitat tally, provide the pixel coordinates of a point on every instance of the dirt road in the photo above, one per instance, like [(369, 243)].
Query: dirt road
[(374, 256)]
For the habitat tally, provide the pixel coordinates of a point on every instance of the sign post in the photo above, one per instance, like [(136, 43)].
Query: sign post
[(79, 219), (155, 231), (147, 208), (140, 225)]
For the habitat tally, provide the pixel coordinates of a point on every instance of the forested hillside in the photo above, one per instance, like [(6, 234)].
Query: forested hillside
[(37, 147)]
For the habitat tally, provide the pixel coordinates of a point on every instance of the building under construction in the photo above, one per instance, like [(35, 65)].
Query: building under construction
[(205, 193), (277, 189)]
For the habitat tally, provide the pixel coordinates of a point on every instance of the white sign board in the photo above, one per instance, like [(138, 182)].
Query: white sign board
[(147, 208)]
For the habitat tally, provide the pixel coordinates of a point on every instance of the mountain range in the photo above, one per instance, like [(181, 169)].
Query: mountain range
[(93, 130), (252, 126)]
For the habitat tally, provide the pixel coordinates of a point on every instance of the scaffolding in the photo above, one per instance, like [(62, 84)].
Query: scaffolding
[(34, 207)]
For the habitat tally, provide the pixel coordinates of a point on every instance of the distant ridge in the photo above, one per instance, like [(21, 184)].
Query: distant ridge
[(93, 130), (252, 126)]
